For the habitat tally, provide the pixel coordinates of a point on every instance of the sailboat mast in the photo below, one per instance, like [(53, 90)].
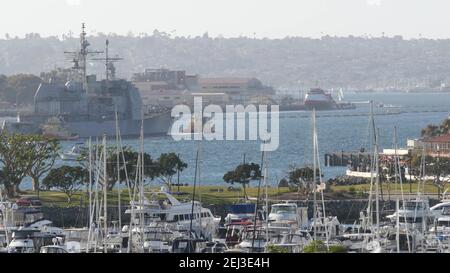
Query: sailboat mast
[(141, 179), (377, 175), (397, 237), (118, 171), (193, 202), (105, 191), (199, 180), (400, 178), (266, 173), (90, 195), (314, 174), (5, 216)]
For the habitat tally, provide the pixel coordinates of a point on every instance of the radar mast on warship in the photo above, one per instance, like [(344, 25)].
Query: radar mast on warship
[(86, 107)]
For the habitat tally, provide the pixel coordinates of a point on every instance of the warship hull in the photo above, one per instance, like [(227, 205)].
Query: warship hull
[(155, 125)]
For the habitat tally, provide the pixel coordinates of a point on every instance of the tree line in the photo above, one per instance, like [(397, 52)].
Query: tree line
[(34, 156)]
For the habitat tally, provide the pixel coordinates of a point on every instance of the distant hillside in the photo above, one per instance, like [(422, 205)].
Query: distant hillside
[(290, 62)]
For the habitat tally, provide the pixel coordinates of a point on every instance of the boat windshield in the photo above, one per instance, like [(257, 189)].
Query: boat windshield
[(283, 209), (444, 222), (446, 211), (413, 206)]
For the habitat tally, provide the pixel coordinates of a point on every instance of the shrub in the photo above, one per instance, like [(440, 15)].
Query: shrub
[(276, 249), (315, 247), (337, 249), (352, 190)]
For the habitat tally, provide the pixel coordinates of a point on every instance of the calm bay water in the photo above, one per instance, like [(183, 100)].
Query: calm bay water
[(337, 130)]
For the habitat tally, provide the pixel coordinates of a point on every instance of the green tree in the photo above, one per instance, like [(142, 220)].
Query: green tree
[(167, 165), (302, 178), (44, 156), (16, 157), (436, 130), (430, 131), (438, 167), (24, 86), (131, 161), (59, 75), (243, 174), (67, 179)]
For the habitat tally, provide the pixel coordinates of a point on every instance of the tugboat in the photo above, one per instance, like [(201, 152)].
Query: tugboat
[(319, 99), (54, 129)]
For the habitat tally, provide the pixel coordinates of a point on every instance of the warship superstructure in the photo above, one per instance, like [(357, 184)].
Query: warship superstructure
[(88, 107)]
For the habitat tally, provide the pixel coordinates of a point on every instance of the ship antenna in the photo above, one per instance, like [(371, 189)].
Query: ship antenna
[(110, 71), (80, 58)]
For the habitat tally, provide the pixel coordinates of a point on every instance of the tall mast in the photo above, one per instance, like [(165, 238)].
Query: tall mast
[(376, 165), (141, 179), (193, 202), (397, 165), (314, 174), (110, 72), (105, 192), (106, 61), (321, 188), (80, 57), (257, 198), (199, 181), (97, 207), (397, 236), (118, 171), (90, 195), (83, 53), (266, 174)]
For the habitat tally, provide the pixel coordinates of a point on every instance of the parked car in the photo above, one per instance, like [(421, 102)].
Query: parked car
[(29, 201)]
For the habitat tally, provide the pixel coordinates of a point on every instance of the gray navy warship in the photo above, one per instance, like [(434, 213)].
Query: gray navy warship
[(86, 107)]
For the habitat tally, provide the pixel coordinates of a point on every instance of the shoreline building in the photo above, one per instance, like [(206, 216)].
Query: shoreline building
[(164, 88), (437, 146), (167, 88), (240, 90)]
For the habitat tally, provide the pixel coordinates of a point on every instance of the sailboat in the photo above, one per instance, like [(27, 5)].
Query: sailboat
[(323, 227)]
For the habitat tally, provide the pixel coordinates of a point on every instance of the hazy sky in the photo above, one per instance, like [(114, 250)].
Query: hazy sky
[(230, 18)]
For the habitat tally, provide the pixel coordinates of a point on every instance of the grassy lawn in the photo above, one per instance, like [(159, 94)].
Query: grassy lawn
[(216, 195), (211, 195), (429, 188)]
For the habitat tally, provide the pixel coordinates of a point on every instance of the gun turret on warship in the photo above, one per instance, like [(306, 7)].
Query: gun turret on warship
[(87, 107)]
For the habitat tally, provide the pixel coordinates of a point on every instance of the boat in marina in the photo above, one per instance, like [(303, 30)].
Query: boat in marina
[(413, 214), (74, 153), (288, 215), (167, 208), (441, 224), (440, 208), (238, 213)]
